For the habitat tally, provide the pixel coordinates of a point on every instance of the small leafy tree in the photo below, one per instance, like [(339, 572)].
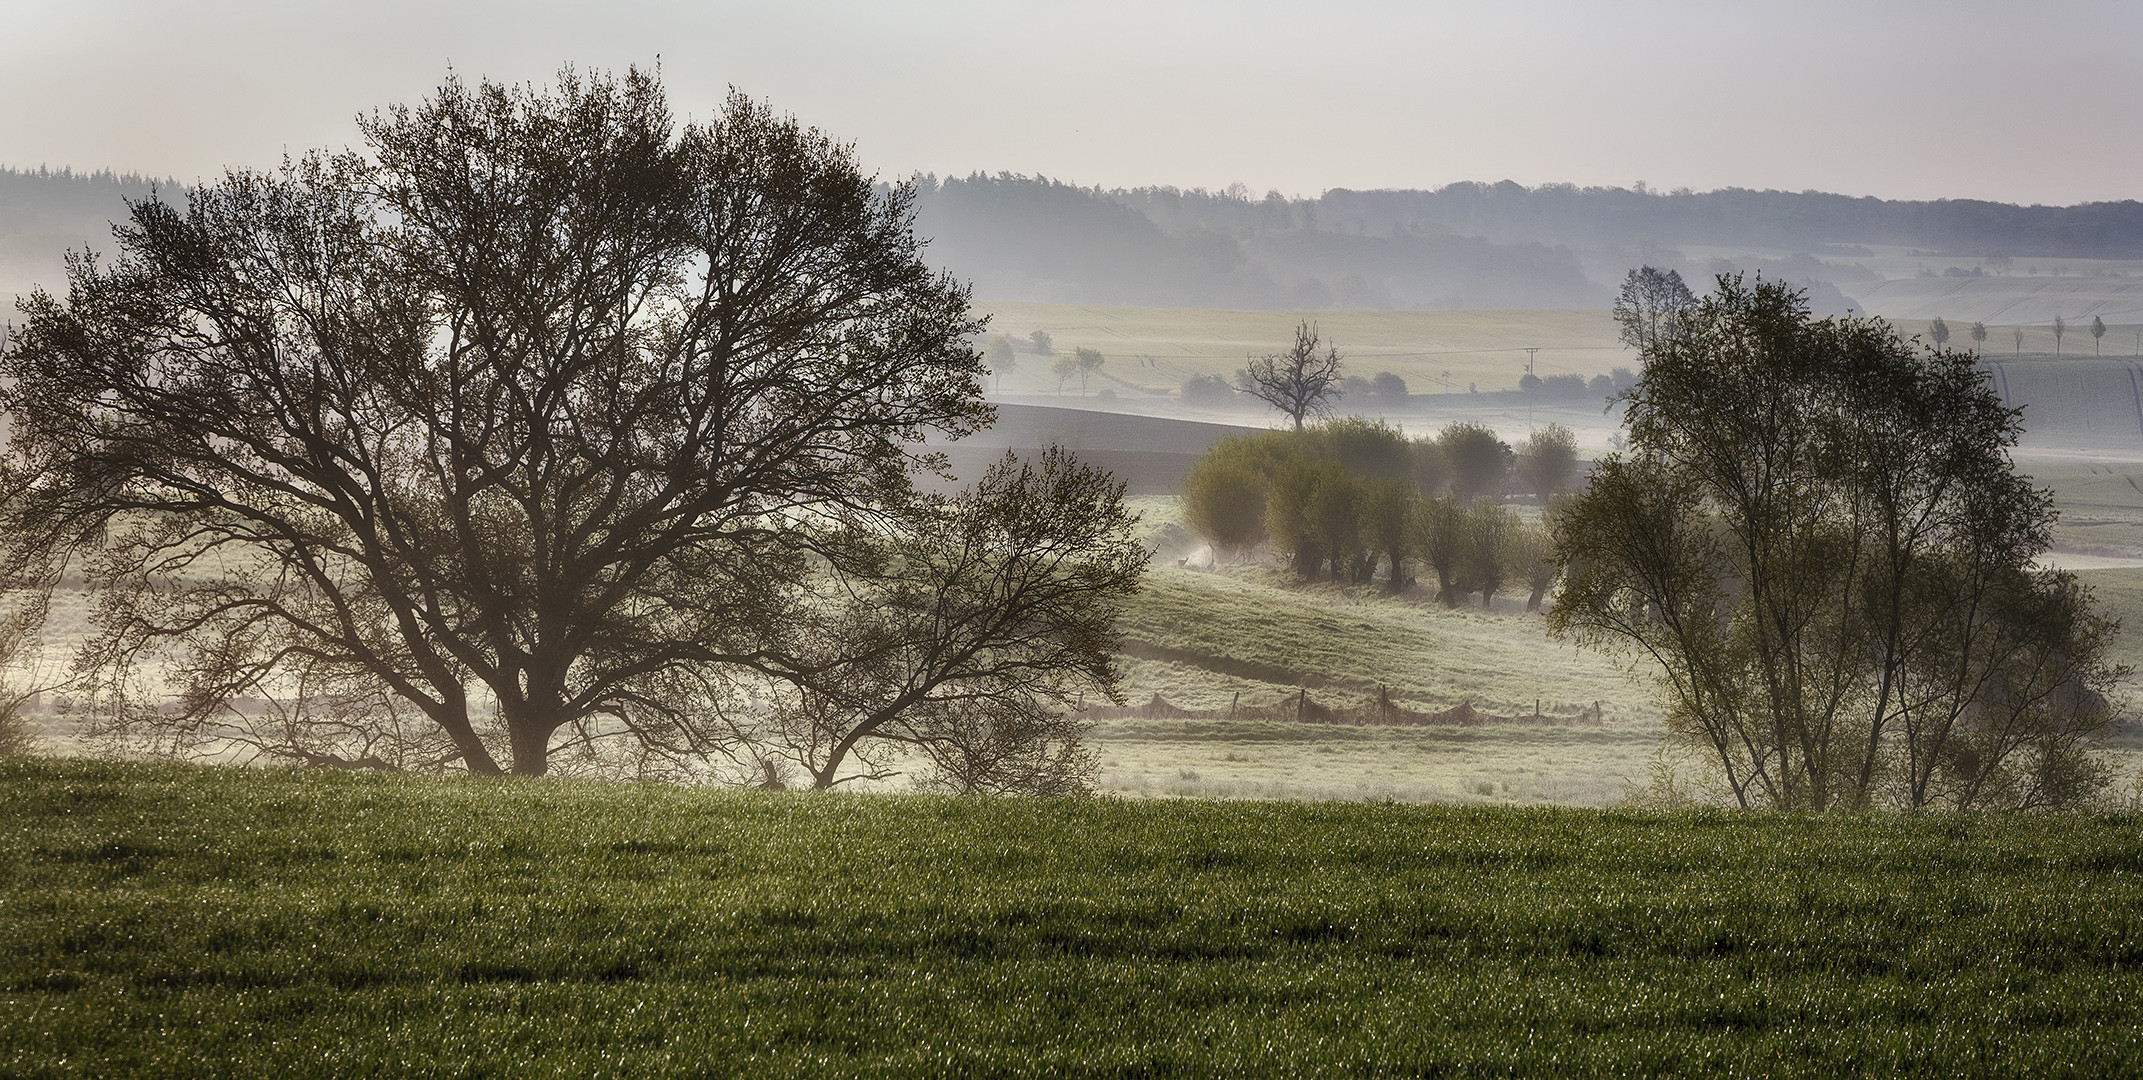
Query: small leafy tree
[(1387, 505), (1042, 343), (1531, 557), (1224, 502), (1486, 563), (1479, 462), (1090, 361), (2098, 332), (1547, 461), (1440, 537), (1310, 515), (969, 641), (1979, 335), (1300, 382), (1939, 331), (1003, 357), (2060, 328), (1063, 366), (1388, 386)]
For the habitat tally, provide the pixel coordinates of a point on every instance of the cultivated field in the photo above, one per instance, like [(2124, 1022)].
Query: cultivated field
[(177, 921)]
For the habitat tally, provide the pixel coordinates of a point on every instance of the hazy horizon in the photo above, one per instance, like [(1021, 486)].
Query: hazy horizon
[(1897, 100)]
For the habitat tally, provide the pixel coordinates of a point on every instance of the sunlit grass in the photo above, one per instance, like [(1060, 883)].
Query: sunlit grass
[(186, 922)]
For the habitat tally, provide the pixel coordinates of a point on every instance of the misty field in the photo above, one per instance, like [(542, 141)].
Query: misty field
[(1248, 639), (185, 921)]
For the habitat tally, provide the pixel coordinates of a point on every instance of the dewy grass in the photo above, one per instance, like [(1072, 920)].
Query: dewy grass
[(192, 921)]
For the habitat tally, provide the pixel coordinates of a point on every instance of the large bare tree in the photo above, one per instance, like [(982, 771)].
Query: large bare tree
[(528, 424)]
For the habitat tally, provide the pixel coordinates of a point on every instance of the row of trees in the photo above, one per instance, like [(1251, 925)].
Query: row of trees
[(1817, 539), (1344, 498), (549, 431)]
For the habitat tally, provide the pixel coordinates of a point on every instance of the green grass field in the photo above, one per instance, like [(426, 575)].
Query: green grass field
[(175, 921)]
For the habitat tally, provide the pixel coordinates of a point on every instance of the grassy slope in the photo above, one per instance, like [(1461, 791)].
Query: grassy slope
[(184, 921), (1429, 658)]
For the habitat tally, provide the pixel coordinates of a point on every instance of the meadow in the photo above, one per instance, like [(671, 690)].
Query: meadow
[(188, 921)]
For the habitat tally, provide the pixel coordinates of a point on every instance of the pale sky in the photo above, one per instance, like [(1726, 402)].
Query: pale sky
[(2017, 101)]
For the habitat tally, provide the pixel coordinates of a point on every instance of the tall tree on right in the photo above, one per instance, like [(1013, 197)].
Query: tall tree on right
[(1818, 537), (1650, 302), (1299, 382), (2098, 333)]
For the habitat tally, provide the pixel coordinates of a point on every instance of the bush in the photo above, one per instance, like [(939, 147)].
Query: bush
[(1207, 390), (1224, 503)]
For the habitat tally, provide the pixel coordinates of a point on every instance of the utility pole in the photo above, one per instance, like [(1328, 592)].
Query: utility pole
[(1529, 359)]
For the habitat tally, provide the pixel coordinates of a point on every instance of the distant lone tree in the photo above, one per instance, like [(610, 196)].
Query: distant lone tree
[(1043, 346), (2098, 332), (1063, 366), (2060, 328), (1650, 302), (1388, 386), (1090, 361), (1003, 357), (545, 425), (1299, 382), (2018, 333), (1979, 336), (1939, 331)]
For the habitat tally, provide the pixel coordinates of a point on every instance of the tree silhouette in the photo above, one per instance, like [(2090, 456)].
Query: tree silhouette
[(1979, 335), (1299, 382), (2098, 333), (1090, 361), (527, 431), (1650, 301)]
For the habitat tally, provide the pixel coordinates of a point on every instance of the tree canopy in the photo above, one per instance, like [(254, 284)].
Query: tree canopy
[(530, 427), (1818, 542)]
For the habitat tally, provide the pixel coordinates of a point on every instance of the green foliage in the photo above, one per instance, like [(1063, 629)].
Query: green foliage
[(1819, 538), (1440, 535), (193, 922), (1547, 462), (1386, 506), (1368, 449), (1477, 463), (1224, 502), (1485, 561), (1388, 386)]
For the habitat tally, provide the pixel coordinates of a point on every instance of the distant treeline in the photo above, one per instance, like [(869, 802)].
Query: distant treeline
[(44, 213), (1466, 245)]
